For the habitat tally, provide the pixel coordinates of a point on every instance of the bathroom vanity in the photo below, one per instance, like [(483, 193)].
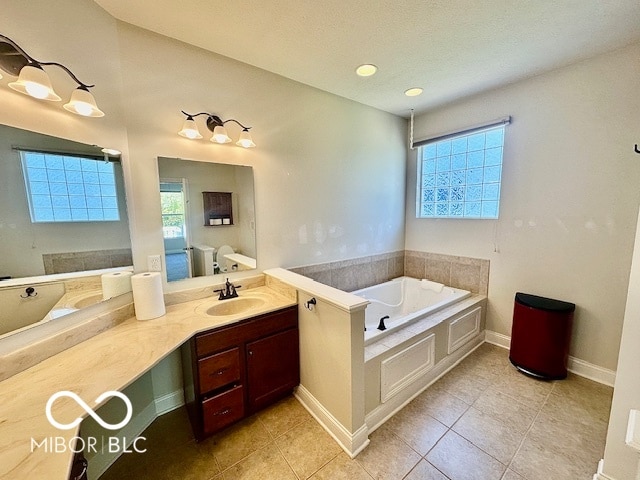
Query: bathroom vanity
[(234, 371), (233, 340)]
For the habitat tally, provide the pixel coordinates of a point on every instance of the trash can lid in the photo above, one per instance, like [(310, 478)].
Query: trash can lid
[(542, 303)]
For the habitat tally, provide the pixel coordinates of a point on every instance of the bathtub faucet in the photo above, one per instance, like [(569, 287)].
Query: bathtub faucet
[(381, 325)]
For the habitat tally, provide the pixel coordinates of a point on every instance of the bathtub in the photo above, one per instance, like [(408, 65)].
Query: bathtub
[(404, 300)]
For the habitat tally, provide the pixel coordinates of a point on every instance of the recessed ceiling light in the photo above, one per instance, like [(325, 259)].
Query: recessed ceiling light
[(413, 92), (366, 70)]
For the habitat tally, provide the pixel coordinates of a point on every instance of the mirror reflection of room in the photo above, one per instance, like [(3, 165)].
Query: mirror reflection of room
[(63, 207), (64, 211), (208, 218)]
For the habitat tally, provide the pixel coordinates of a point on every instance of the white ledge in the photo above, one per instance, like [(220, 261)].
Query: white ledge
[(340, 299), (243, 260)]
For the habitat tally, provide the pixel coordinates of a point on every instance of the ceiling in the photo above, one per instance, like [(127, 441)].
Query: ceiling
[(450, 48)]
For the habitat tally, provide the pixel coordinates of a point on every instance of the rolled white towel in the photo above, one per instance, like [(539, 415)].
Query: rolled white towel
[(429, 285)]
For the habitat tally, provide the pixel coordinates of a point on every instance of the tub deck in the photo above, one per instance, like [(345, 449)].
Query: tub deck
[(401, 365), (407, 332)]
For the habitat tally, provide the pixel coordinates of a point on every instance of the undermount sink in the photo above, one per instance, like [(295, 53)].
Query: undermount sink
[(234, 306)]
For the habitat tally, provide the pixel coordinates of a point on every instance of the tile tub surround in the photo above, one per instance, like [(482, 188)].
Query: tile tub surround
[(82, 261), (356, 273), (483, 420), (454, 271), (460, 272), (108, 361)]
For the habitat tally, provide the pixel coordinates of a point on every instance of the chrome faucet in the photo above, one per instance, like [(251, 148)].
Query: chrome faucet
[(229, 291)]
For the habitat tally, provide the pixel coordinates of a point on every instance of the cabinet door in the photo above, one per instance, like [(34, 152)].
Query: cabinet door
[(273, 367)]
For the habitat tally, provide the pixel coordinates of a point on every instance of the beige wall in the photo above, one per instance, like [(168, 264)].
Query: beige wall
[(328, 184), (569, 198)]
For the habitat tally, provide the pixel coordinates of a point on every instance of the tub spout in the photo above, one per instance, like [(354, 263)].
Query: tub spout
[(381, 325)]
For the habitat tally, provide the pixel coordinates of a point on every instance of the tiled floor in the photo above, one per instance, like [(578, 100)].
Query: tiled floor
[(483, 420)]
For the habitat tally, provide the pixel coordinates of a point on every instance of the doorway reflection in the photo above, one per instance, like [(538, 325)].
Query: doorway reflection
[(175, 233)]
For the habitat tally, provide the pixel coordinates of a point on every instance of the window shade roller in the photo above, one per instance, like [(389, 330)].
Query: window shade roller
[(476, 128)]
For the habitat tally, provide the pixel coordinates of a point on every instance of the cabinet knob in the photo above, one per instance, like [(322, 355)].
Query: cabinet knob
[(223, 412), (250, 352)]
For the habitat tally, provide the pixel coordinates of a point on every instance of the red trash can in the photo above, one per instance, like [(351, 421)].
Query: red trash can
[(540, 336)]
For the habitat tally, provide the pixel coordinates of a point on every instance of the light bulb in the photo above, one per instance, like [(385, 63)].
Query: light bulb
[(83, 103), (220, 135), (35, 82), (190, 129), (245, 140), (36, 90)]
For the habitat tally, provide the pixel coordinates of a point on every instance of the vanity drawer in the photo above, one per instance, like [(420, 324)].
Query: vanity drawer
[(219, 370), (246, 331), (223, 409)]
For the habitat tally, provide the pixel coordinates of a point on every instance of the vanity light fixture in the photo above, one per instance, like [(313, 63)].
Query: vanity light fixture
[(216, 125), (34, 81)]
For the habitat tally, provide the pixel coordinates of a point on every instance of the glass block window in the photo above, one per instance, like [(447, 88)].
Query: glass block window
[(459, 176), (69, 188)]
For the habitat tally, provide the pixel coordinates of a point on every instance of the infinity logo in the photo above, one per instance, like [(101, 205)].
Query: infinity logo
[(89, 410)]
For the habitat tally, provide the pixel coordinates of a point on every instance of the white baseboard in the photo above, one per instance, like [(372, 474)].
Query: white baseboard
[(351, 443), (575, 365), (599, 475), (168, 402), (498, 339)]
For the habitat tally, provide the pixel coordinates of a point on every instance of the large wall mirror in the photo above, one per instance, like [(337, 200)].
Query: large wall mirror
[(208, 218), (63, 212)]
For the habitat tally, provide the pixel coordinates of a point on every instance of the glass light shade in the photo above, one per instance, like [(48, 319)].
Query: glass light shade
[(190, 129), (83, 103), (35, 82), (245, 140), (220, 135)]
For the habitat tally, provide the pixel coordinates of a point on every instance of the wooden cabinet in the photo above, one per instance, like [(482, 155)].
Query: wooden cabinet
[(218, 208), (234, 371), (269, 372)]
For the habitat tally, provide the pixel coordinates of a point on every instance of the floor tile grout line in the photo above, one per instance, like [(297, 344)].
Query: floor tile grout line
[(284, 457), (524, 437), (539, 412), (323, 465), (246, 456), (492, 384)]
